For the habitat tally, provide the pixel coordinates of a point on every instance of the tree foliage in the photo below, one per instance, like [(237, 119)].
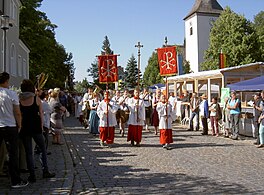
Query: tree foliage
[(93, 69), (259, 27), (235, 35), (152, 74), (131, 73), (81, 86), (186, 67), (106, 50), (46, 54)]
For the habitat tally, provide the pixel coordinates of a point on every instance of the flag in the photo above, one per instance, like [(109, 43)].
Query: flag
[(167, 61), (180, 64), (222, 60), (107, 65)]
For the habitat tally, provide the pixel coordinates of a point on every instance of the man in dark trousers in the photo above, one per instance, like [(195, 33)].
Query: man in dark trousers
[(194, 106), (258, 107), (10, 125), (204, 113)]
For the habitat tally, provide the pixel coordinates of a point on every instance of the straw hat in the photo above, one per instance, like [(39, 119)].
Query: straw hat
[(57, 90), (204, 96)]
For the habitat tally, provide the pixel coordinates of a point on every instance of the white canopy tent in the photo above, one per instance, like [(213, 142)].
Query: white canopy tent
[(213, 80)]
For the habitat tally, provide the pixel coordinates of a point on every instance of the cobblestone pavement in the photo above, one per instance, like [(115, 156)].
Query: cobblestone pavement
[(196, 165)]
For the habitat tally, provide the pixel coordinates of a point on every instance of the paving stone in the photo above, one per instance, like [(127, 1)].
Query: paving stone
[(196, 165)]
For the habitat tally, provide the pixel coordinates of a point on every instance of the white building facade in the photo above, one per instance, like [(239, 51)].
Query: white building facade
[(14, 57), (198, 24)]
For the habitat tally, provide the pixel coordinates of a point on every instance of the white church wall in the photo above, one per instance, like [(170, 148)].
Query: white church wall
[(191, 38), (203, 29)]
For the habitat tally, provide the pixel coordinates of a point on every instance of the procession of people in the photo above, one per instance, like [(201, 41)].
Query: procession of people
[(135, 110), (106, 114)]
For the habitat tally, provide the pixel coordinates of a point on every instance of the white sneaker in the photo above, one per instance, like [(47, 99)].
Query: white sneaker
[(20, 185), (165, 146)]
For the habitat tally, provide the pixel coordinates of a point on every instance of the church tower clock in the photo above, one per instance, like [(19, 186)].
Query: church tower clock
[(198, 24)]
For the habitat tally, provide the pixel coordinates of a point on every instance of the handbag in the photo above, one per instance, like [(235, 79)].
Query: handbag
[(67, 114)]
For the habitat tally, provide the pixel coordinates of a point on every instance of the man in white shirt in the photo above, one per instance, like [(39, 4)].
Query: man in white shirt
[(86, 107), (146, 97), (106, 112), (10, 125), (172, 99)]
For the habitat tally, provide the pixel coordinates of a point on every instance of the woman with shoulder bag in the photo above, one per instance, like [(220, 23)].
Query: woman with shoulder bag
[(32, 127)]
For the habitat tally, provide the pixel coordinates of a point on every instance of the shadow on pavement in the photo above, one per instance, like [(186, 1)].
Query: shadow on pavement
[(109, 171)]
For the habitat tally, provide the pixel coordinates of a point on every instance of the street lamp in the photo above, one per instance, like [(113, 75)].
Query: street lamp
[(4, 27)]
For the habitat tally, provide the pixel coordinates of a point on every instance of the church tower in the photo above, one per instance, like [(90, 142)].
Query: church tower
[(198, 24)]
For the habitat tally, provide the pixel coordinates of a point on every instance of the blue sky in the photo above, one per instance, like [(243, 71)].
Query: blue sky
[(83, 24)]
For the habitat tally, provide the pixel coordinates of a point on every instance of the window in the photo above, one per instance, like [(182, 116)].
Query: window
[(24, 68), (191, 29), (13, 11), (13, 65), (20, 66), (2, 55)]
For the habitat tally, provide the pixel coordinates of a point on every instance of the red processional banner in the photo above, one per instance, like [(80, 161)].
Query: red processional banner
[(167, 61), (107, 65)]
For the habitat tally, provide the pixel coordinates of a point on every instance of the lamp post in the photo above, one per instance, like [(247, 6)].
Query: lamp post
[(4, 27)]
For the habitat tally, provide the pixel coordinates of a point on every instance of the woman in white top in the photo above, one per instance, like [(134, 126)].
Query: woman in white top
[(214, 109)]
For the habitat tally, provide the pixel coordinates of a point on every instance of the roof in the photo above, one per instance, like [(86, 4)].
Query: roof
[(211, 7), (255, 84), (210, 73)]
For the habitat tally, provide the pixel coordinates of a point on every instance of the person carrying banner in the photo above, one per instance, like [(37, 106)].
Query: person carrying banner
[(106, 111), (136, 119)]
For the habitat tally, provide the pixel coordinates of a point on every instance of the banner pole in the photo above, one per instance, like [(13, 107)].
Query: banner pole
[(138, 79), (166, 88), (107, 97)]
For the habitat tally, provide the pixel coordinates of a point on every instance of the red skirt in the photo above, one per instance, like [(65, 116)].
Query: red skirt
[(134, 133), (107, 134), (166, 136), (155, 118)]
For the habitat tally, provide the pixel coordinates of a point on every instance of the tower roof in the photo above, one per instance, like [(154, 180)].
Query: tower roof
[(211, 7)]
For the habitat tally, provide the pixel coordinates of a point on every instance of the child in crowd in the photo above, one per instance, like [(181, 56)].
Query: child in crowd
[(166, 116), (56, 124)]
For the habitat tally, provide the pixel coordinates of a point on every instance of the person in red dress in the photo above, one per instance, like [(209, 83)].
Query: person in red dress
[(106, 111), (167, 114), (136, 119)]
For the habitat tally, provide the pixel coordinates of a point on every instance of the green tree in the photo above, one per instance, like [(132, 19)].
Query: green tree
[(152, 73), (131, 73), (235, 35), (259, 24), (186, 67), (93, 69), (106, 47), (81, 86), (46, 55)]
